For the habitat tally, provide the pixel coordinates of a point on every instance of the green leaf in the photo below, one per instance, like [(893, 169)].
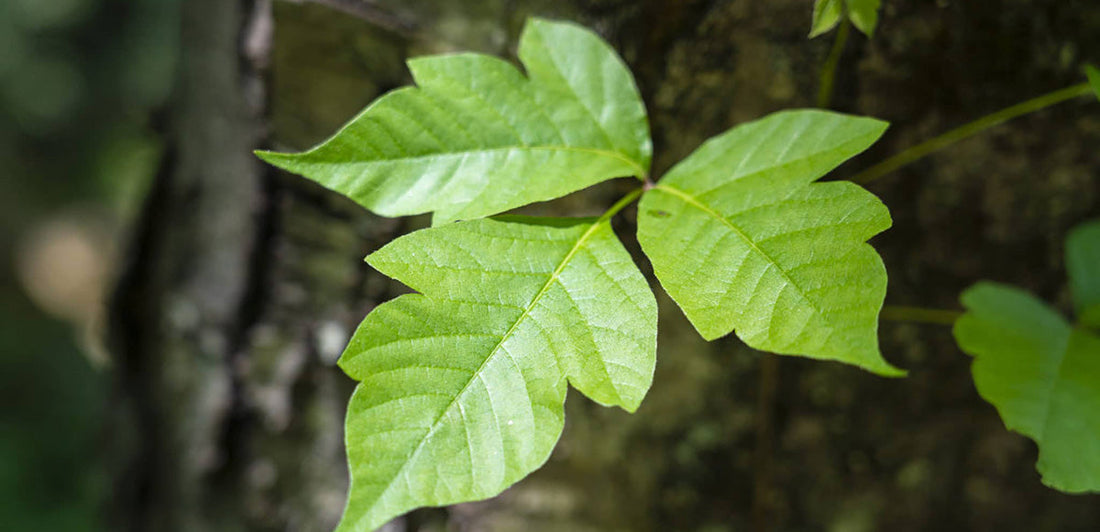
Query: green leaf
[(462, 385), (1042, 375), (1083, 269), (477, 138), (864, 15), (741, 239), (826, 16), (1090, 317), (1094, 79)]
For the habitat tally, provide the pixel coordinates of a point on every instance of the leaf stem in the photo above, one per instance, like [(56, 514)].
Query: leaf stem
[(765, 441), (621, 204), (920, 315), (923, 149), (828, 70)]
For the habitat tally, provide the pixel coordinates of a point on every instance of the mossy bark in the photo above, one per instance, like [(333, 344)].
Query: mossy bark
[(246, 282)]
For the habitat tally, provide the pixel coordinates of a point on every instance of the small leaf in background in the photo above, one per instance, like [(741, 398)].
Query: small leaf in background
[(476, 137), (743, 240), (462, 385), (1042, 375), (1094, 79), (1083, 269), (864, 15), (826, 16)]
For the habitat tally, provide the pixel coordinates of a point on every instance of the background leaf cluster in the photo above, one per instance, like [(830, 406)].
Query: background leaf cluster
[(1041, 371)]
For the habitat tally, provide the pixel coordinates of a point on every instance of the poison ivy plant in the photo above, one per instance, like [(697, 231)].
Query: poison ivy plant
[(862, 13), (461, 385), (1041, 372)]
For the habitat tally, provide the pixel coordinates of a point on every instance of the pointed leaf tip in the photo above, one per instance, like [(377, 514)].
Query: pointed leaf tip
[(269, 156)]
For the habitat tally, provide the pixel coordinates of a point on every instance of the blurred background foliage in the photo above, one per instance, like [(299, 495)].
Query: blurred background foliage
[(80, 83)]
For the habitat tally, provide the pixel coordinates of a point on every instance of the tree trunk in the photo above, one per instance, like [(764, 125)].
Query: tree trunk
[(244, 284)]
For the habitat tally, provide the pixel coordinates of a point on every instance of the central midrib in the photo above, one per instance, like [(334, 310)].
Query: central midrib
[(493, 353), (639, 172)]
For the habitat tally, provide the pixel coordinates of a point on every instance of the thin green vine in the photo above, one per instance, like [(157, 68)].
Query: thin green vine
[(920, 314), (945, 140), (828, 70)]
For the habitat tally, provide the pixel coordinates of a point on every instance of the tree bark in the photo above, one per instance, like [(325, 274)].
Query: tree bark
[(244, 284)]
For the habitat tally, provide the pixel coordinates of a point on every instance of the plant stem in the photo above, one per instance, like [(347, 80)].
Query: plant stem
[(920, 315), (828, 71), (621, 204), (765, 441), (923, 149)]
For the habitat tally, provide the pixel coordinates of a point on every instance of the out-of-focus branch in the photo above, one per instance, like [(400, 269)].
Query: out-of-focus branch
[(370, 12)]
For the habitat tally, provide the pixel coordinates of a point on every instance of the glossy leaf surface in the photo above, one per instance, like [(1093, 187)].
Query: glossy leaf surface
[(1043, 376), (462, 385), (476, 137), (742, 239)]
